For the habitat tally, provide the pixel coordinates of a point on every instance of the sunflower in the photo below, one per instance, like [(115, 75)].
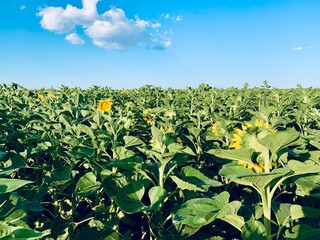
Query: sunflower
[(129, 104), (149, 115), (40, 96), (241, 137), (104, 105), (237, 138), (239, 133), (214, 129)]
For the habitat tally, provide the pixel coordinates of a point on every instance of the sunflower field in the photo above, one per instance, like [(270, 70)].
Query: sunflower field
[(153, 163)]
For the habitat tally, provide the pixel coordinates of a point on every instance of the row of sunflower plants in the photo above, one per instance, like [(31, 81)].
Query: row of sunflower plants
[(152, 163)]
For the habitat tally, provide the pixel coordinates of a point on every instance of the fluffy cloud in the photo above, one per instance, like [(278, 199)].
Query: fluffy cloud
[(74, 39), (60, 20), (116, 31), (111, 29), (23, 7)]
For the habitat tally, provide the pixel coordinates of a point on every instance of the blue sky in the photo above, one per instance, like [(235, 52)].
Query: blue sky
[(167, 43)]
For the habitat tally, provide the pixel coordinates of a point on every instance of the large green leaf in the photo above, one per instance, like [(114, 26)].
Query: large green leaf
[(298, 211), (280, 140), (243, 155), (282, 212), (24, 234), (112, 182), (253, 230), (307, 185), (304, 167), (9, 185), (61, 176), (197, 178), (184, 230), (183, 185), (11, 208), (127, 163), (87, 185), (258, 180), (199, 212), (302, 232), (129, 198), (131, 141), (229, 214)]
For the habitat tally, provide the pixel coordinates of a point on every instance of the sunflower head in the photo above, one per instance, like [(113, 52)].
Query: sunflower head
[(214, 129), (129, 104), (240, 135), (104, 105), (40, 96)]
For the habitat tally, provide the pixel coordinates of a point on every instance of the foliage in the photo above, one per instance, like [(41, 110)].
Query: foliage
[(151, 163)]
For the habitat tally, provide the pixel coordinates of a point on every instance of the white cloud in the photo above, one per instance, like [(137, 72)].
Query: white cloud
[(307, 47), (155, 25), (300, 48), (116, 31), (23, 7), (74, 39), (60, 20), (179, 18), (174, 18), (297, 48), (111, 29), (53, 19), (165, 15)]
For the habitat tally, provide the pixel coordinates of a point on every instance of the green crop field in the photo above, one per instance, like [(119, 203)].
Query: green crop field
[(153, 163)]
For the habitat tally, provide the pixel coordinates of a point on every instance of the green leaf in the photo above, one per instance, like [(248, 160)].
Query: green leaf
[(233, 171), (156, 133), (131, 163), (197, 178), (183, 185), (61, 176), (113, 182), (131, 141), (13, 160), (258, 180), (199, 212), (94, 233), (304, 167), (9, 185), (27, 234), (298, 211), (7, 172), (229, 214), (10, 207), (280, 140), (87, 184), (302, 232), (282, 212), (253, 230), (307, 185), (129, 198), (156, 195), (315, 144), (184, 230), (243, 155), (59, 228)]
